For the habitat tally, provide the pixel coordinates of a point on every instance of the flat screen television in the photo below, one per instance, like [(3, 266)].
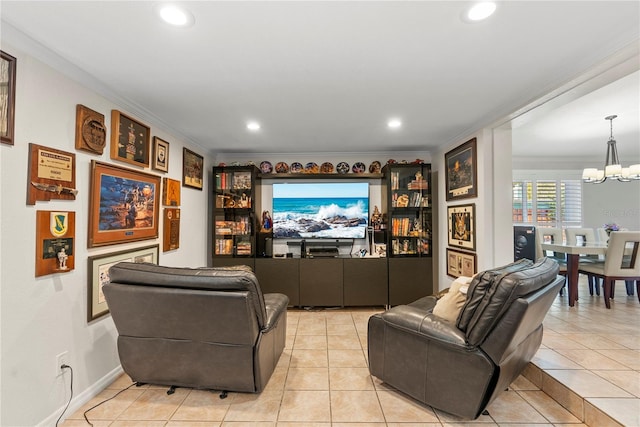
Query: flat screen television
[(320, 210)]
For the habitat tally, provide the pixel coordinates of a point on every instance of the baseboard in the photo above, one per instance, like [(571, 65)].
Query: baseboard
[(82, 398)]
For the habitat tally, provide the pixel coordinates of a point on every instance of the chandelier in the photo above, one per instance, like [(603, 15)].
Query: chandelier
[(612, 167)]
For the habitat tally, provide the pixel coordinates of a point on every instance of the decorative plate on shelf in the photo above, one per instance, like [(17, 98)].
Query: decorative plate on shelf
[(282, 167), (375, 167), (296, 167), (311, 167), (342, 168), (266, 167), (326, 167), (358, 167)]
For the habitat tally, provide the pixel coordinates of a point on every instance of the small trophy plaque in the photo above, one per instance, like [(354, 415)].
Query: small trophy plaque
[(55, 235), (171, 232)]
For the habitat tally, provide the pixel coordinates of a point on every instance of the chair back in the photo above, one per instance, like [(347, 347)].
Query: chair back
[(582, 236), (576, 236), (602, 235), (622, 254), (548, 234)]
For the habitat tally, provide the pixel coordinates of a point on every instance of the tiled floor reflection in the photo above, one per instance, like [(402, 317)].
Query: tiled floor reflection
[(588, 368)]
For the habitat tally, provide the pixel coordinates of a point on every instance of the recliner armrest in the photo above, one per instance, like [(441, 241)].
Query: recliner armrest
[(275, 304), (423, 323)]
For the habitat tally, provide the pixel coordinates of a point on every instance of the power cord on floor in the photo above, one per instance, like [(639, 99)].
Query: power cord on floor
[(62, 367), (104, 401)]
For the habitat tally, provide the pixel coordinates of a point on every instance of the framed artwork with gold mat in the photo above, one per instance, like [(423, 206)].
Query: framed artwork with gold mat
[(124, 205)]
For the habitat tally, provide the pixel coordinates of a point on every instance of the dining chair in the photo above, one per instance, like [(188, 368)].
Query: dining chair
[(621, 263), (603, 237), (552, 235), (585, 236)]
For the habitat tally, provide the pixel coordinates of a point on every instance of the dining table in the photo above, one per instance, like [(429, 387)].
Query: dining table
[(573, 260)]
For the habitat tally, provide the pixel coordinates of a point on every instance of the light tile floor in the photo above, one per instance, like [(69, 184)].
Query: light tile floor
[(589, 362)]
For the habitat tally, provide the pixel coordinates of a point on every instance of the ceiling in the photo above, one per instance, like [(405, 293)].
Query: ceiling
[(326, 76)]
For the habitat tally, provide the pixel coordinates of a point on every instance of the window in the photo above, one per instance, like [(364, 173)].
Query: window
[(548, 202)]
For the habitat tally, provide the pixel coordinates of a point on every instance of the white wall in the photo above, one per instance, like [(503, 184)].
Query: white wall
[(493, 232), (44, 316), (611, 202)]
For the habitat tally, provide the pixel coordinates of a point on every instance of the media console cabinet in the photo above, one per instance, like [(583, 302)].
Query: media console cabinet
[(342, 281)]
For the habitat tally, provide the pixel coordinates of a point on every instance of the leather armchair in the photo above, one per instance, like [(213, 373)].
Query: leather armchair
[(461, 367), (208, 328)]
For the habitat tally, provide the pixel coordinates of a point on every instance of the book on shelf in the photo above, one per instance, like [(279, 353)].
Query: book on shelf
[(395, 180), (224, 247), (243, 248)]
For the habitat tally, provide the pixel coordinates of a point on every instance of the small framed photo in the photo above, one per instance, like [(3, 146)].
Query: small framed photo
[(460, 263), (462, 228), (124, 205), (192, 169), (99, 275), (160, 155), (130, 140), (461, 171), (7, 97)]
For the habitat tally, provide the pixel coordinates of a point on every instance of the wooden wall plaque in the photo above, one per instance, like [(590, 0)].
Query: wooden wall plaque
[(91, 133), (171, 234), (55, 242), (52, 174)]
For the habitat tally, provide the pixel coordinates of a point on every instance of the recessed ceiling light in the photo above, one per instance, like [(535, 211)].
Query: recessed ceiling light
[(394, 124), (175, 15), (480, 11), (253, 126)]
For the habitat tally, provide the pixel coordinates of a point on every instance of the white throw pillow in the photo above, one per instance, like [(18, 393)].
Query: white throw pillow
[(448, 307)]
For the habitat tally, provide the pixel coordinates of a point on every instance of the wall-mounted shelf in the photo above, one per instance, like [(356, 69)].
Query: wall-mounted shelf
[(321, 175)]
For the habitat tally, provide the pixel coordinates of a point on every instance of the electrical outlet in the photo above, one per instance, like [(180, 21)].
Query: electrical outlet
[(61, 359)]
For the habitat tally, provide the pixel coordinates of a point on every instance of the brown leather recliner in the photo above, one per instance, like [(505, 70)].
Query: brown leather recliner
[(460, 368), (207, 328)]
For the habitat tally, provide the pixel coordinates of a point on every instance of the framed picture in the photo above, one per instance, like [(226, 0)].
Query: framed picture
[(462, 226), (192, 169), (124, 205), (99, 275), (460, 263), (461, 171), (170, 192), (7, 97), (160, 155), (130, 140)]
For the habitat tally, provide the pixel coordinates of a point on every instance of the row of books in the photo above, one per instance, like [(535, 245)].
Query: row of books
[(225, 247), (233, 181), (408, 227), (240, 226)]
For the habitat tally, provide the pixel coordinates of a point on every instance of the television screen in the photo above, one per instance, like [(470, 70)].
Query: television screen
[(321, 210)]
